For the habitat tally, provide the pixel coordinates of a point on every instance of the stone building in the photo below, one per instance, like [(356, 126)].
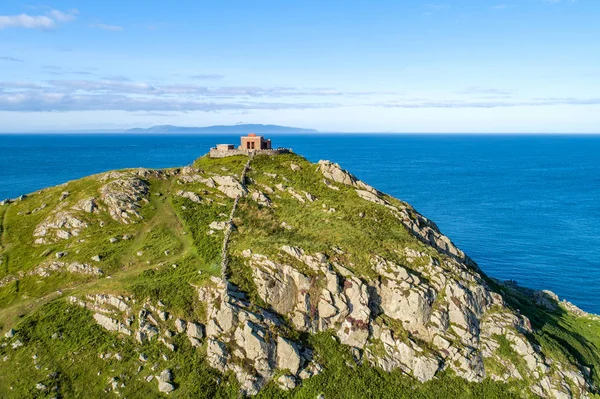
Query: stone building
[(250, 144), (254, 142)]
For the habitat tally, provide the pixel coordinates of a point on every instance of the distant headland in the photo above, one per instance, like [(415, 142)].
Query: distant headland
[(240, 128)]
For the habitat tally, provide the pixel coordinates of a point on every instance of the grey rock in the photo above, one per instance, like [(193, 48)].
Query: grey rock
[(286, 382), (166, 375), (261, 199), (288, 356), (124, 196), (189, 195), (165, 387), (88, 205), (111, 324), (218, 225), (229, 186), (180, 325)]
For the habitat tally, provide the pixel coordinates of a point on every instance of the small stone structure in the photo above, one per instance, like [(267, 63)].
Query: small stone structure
[(254, 142), (250, 144), (225, 147)]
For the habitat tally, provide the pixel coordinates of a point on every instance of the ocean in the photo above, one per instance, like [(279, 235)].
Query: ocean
[(524, 207)]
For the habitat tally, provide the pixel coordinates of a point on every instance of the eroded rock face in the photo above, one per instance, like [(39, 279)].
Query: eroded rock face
[(61, 225), (446, 304), (123, 198), (252, 337), (48, 268), (229, 186)]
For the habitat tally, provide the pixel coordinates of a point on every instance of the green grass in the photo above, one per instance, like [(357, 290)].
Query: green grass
[(339, 380), (173, 286), (69, 361)]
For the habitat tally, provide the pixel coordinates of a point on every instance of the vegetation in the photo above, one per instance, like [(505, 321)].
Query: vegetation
[(171, 251)]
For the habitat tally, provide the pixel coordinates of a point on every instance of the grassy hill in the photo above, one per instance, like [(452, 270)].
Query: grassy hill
[(266, 276)]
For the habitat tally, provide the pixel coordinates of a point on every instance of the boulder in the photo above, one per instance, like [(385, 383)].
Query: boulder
[(110, 324), (180, 325), (288, 357), (251, 339), (195, 333), (286, 382), (165, 387), (261, 199), (88, 205), (229, 186), (189, 195), (218, 225)]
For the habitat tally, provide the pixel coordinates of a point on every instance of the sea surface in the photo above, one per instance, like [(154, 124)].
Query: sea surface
[(523, 207)]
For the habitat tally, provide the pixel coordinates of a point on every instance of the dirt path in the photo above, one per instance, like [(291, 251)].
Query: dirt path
[(230, 226)]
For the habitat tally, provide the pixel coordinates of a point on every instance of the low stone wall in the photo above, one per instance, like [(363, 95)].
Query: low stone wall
[(215, 153)]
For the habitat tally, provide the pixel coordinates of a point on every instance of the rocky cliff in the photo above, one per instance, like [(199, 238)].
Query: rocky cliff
[(266, 276)]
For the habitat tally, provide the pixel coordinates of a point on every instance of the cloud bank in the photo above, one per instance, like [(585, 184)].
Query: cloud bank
[(122, 94)]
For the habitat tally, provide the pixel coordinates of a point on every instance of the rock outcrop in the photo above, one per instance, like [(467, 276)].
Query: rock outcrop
[(230, 186), (61, 225), (238, 336), (123, 197)]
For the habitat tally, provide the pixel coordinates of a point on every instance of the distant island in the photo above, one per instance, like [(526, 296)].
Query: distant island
[(241, 128)]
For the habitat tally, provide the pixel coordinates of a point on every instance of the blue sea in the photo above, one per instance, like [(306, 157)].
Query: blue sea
[(523, 207)]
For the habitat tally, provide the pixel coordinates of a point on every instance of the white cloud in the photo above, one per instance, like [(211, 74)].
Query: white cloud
[(60, 16), (10, 59), (112, 28), (45, 22), (26, 21)]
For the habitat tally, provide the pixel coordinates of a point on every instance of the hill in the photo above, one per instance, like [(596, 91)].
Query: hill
[(266, 276), (237, 129)]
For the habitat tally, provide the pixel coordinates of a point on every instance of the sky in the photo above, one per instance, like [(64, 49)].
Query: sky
[(465, 66)]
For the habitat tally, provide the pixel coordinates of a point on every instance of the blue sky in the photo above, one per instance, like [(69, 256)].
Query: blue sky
[(355, 66)]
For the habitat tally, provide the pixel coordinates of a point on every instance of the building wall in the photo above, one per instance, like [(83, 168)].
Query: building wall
[(225, 147), (254, 143), (214, 153)]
